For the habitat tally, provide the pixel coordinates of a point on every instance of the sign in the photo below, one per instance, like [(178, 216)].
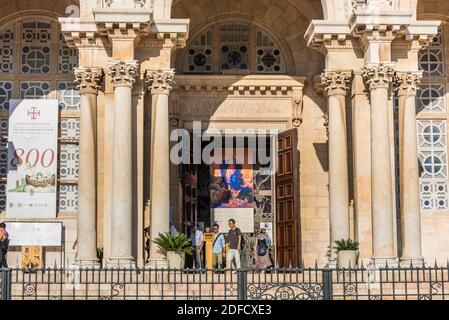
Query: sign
[(32, 257), (209, 239), (32, 159), (40, 234)]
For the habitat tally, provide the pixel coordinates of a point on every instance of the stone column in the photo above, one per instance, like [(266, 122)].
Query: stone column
[(407, 84), (89, 82), (378, 78), (123, 76), (336, 85), (159, 83)]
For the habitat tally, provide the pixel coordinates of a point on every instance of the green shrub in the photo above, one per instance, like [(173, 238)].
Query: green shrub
[(342, 245), (179, 243)]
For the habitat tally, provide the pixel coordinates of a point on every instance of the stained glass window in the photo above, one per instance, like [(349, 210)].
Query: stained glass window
[(269, 57), (6, 50), (431, 59), (36, 47), (432, 138), (430, 98), (200, 54), (234, 46)]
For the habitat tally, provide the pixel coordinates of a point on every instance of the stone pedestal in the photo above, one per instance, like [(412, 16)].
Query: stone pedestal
[(88, 81), (123, 76), (378, 78), (336, 85), (407, 83), (159, 83)]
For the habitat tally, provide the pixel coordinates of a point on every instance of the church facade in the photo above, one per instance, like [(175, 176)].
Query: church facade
[(356, 91)]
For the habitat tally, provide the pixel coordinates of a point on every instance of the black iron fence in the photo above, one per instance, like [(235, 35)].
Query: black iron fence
[(413, 283)]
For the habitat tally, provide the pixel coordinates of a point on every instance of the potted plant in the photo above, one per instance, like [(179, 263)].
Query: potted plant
[(347, 252), (175, 247)]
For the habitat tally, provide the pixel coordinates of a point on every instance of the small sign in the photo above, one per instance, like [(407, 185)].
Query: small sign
[(32, 257), (209, 237)]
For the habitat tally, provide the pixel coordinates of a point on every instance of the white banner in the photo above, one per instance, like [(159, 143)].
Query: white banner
[(32, 159), (40, 234)]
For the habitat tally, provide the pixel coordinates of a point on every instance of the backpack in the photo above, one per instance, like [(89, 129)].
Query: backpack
[(262, 248)]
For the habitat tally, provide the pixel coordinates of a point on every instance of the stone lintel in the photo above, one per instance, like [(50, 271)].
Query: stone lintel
[(241, 84), (322, 32)]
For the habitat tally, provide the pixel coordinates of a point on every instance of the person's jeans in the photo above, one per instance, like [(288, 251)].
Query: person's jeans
[(234, 254), (197, 261), (3, 263)]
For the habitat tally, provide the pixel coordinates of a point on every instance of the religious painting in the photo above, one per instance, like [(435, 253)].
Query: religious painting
[(232, 184)]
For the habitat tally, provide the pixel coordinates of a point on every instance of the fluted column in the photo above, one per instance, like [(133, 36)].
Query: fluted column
[(123, 76), (378, 78), (159, 83), (89, 82), (407, 84), (336, 85)]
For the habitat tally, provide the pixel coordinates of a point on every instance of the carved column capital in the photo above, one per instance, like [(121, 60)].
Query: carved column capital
[(160, 81), (407, 83), (336, 82), (123, 73), (378, 75), (88, 80)]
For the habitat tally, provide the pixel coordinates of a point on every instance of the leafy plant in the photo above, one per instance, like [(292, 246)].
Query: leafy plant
[(349, 244), (100, 253), (179, 243)]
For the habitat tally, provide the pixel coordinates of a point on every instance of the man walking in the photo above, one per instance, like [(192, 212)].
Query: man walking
[(218, 248), (235, 244), (197, 239)]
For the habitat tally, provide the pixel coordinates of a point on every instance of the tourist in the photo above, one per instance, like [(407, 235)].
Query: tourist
[(147, 243), (218, 248), (261, 250), (173, 230), (235, 244), (4, 245), (197, 239)]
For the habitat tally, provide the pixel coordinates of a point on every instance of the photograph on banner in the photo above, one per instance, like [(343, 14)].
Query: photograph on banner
[(232, 189), (32, 158)]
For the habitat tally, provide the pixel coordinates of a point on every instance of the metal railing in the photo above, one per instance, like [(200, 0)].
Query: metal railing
[(388, 283)]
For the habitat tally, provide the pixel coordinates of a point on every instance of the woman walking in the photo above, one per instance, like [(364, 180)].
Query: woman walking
[(261, 252)]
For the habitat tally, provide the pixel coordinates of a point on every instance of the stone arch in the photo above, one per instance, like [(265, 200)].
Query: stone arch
[(435, 10), (56, 8), (283, 46), (287, 19)]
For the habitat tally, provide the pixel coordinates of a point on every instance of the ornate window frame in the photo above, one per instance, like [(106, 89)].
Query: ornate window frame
[(206, 46)]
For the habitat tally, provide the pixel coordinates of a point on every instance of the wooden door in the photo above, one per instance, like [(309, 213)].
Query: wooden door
[(288, 227)]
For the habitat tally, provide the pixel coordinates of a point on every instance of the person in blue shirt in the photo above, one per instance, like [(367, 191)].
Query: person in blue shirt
[(219, 248), (196, 237)]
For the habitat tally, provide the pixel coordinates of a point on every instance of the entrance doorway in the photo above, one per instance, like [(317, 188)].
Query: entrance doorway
[(255, 193)]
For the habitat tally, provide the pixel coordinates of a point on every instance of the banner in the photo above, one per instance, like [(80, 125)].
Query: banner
[(232, 191), (32, 159)]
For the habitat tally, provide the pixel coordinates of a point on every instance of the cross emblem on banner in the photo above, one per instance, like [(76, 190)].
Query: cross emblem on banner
[(33, 113)]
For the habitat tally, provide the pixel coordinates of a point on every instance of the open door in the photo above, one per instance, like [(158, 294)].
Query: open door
[(189, 199), (288, 227)]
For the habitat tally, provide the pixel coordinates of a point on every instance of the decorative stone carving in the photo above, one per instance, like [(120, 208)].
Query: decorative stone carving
[(407, 83), (123, 73), (378, 75), (326, 122), (336, 82), (88, 80), (160, 81)]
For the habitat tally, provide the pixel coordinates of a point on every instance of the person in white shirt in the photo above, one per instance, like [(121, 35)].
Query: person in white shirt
[(173, 230), (196, 238)]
